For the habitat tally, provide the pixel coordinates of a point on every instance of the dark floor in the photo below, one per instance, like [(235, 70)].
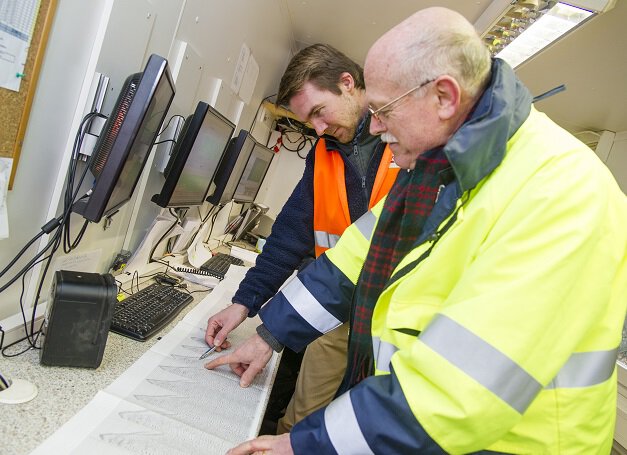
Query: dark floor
[(282, 390)]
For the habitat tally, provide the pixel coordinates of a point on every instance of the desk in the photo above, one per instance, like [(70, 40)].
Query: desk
[(65, 391)]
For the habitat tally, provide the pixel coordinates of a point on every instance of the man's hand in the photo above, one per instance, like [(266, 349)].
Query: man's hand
[(247, 361), (266, 445), (222, 323)]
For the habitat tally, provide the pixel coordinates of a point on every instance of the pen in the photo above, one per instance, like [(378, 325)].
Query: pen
[(207, 352)]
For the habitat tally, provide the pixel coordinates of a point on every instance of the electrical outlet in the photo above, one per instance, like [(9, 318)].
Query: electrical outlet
[(265, 117)]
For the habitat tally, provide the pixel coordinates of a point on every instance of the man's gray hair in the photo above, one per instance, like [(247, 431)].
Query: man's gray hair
[(432, 53)]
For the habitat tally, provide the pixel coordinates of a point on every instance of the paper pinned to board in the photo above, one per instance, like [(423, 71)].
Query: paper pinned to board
[(5, 174), (17, 21)]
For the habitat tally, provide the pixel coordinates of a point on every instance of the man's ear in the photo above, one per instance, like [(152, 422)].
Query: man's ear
[(347, 82), (449, 96)]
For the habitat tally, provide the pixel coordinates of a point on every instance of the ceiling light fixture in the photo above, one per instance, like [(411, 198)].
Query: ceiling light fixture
[(516, 30)]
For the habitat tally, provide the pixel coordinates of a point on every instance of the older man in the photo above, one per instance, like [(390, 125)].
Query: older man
[(490, 286)]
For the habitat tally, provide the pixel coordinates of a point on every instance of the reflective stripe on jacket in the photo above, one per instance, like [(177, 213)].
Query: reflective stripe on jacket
[(331, 213)]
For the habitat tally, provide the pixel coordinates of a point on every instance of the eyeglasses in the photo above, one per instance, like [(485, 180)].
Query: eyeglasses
[(377, 113)]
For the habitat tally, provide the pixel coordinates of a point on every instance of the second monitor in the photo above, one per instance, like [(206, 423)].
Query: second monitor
[(195, 158)]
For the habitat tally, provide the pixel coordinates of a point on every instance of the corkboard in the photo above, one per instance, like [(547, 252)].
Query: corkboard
[(15, 106)]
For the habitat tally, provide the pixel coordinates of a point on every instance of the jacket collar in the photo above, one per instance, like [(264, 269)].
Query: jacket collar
[(478, 147)]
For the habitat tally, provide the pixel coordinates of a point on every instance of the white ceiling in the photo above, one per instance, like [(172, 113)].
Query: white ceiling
[(591, 62)]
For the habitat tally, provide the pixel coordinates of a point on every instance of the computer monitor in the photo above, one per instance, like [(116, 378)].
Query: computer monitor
[(127, 138), (254, 172), (231, 168), (195, 158)]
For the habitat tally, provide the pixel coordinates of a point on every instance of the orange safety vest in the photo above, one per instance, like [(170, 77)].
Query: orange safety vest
[(331, 214)]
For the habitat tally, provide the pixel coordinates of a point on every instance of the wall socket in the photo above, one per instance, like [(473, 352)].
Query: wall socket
[(265, 117)]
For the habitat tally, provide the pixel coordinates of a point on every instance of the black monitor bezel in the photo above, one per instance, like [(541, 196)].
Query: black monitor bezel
[(95, 208), (181, 154)]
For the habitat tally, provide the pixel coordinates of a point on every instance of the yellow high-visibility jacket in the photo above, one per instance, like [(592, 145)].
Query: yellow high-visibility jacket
[(499, 330)]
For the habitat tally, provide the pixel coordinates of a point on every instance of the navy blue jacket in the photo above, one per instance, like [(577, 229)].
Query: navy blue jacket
[(292, 242)]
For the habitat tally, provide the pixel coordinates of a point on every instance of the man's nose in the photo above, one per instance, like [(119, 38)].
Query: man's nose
[(319, 126), (376, 126)]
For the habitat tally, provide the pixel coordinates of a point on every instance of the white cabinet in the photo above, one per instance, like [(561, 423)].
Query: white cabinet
[(620, 433)]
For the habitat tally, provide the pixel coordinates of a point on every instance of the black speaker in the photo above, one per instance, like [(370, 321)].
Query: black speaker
[(76, 325)]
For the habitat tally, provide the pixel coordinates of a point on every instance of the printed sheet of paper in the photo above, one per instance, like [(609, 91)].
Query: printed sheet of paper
[(17, 21), (167, 402)]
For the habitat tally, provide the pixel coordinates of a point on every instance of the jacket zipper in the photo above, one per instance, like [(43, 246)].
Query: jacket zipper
[(437, 196)]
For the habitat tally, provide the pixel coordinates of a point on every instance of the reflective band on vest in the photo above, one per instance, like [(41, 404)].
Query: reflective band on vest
[(585, 369), (500, 374), (331, 212), (325, 240), (366, 223), (343, 429), (482, 362)]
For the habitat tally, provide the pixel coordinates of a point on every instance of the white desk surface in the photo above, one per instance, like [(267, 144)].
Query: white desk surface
[(65, 391)]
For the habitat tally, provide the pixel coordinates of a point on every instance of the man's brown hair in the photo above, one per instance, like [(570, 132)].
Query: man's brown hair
[(320, 64)]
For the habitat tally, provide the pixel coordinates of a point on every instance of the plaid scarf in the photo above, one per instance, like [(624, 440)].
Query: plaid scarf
[(406, 209)]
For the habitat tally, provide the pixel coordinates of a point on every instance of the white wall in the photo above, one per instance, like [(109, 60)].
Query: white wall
[(284, 173), (136, 28), (617, 160)]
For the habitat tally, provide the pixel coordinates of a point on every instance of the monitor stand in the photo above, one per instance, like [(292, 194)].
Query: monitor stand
[(250, 219), (198, 253), (140, 261)]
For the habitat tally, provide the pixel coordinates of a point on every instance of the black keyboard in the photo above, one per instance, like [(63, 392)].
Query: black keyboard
[(144, 313), (219, 263)]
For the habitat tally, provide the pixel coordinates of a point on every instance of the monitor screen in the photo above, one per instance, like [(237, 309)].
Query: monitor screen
[(254, 172), (195, 158), (127, 138), (231, 167)]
